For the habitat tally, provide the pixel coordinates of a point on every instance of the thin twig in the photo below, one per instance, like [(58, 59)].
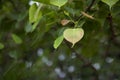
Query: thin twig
[(90, 6), (87, 9)]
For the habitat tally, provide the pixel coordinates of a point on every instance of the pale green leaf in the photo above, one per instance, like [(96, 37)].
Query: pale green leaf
[(1, 46), (66, 13), (58, 41), (73, 35), (34, 13), (58, 3), (110, 2), (16, 39)]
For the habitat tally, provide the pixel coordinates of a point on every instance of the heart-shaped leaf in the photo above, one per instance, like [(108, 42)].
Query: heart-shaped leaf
[(58, 41), (110, 2), (73, 35), (58, 3)]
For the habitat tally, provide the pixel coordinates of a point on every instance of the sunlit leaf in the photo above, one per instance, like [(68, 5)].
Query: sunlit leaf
[(58, 3), (58, 41), (73, 35), (34, 13), (43, 1)]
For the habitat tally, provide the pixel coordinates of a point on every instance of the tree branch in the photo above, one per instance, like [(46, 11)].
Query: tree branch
[(90, 6), (112, 31), (84, 60)]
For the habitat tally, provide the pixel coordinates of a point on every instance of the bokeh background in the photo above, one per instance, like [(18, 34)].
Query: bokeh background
[(26, 55)]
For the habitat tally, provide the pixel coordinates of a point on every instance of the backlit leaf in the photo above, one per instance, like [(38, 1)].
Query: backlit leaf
[(58, 3), (73, 35), (58, 41), (34, 13), (43, 1)]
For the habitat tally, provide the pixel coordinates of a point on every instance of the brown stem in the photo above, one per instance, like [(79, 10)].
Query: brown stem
[(90, 6), (112, 31), (87, 9)]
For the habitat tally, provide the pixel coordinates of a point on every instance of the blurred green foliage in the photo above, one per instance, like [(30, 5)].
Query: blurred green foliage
[(26, 47)]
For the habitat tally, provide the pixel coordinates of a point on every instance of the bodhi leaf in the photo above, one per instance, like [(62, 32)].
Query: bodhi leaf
[(34, 13), (1, 46), (58, 3), (110, 2), (73, 35), (58, 41), (17, 39)]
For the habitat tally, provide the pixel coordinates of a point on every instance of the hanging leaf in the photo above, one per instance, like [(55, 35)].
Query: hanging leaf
[(58, 3), (73, 35), (1, 46), (110, 2), (58, 41), (65, 22), (16, 39), (34, 13)]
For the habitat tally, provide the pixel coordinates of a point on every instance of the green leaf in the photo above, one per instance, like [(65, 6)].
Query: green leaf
[(66, 13), (14, 54), (34, 26), (58, 41), (1, 46), (73, 35), (28, 28), (58, 3), (110, 2), (43, 1), (34, 13), (17, 39)]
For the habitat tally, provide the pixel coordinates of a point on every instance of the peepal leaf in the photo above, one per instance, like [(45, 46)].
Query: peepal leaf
[(16, 39), (58, 3), (34, 13), (1, 46), (110, 2), (58, 41), (73, 35)]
